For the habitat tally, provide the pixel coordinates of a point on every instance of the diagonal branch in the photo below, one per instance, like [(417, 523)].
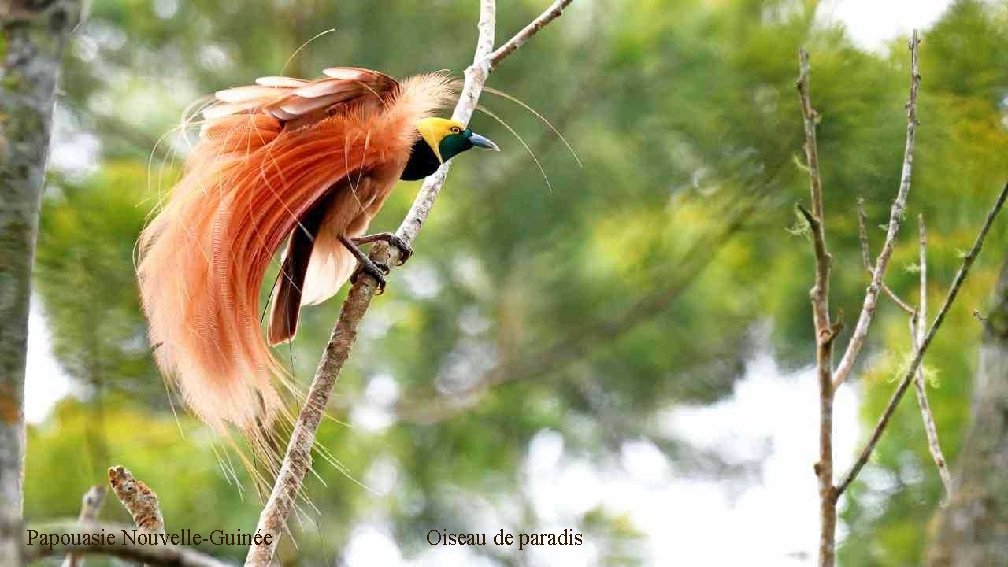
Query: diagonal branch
[(911, 372), (896, 214), (551, 13), (297, 460)]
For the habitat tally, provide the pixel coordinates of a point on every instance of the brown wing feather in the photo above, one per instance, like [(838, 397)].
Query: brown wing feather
[(299, 103), (316, 263), (290, 280)]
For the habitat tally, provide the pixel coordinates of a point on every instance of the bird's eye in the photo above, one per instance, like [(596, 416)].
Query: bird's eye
[(456, 130)]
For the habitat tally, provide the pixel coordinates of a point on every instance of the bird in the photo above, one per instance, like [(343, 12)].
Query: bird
[(306, 161)]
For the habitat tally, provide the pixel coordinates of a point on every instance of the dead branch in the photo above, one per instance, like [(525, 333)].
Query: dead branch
[(895, 221), (91, 505), (930, 428), (866, 260), (824, 331), (920, 384), (68, 539), (551, 13), (911, 371), (138, 499), (297, 460)]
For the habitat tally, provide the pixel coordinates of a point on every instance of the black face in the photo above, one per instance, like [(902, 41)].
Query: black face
[(422, 162)]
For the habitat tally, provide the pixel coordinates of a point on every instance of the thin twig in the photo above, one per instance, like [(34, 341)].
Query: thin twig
[(866, 260), (91, 505), (911, 372), (138, 499), (298, 458), (916, 336), (68, 539), (920, 385), (895, 221), (551, 13), (824, 331)]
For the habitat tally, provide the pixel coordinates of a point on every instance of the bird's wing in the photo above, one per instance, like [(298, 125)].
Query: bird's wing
[(316, 264), (285, 102), (288, 290)]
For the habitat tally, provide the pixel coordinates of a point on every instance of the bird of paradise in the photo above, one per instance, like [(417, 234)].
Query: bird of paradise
[(309, 162)]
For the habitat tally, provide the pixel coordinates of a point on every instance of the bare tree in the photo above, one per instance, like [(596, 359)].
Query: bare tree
[(826, 329), (32, 37)]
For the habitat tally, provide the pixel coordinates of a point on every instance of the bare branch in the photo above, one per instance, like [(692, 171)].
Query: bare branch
[(922, 309), (138, 499), (298, 457), (91, 505), (551, 13), (895, 221), (920, 385), (911, 372), (820, 290), (824, 332), (68, 539), (866, 260)]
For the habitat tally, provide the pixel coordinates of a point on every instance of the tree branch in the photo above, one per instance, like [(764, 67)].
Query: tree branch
[(824, 331), (551, 13), (138, 499), (895, 221), (866, 260), (90, 507), (911, 372), (920, 385), (297, 460), (68, 539), (820, 289)]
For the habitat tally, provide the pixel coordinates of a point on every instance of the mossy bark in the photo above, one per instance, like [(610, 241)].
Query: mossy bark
[(32, 36), (973, 529)]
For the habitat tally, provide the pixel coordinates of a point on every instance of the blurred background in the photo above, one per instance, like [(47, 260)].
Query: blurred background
[(621, 347)]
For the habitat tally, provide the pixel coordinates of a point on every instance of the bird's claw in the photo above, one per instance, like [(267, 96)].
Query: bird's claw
[(377, 270), (405, 250)]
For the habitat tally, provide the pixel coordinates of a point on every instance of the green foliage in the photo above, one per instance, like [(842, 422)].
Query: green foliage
[(84, 276)]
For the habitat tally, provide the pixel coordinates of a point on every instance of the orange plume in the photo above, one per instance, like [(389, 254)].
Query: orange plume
[(312, 160)]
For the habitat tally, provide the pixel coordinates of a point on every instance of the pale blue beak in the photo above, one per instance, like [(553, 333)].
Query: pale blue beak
[(481, 142)]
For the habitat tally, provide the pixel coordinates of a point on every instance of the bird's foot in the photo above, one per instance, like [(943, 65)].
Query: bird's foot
[(405, 250), (377, 270)]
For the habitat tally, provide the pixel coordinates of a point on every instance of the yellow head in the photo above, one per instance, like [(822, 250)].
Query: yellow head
[(448, 138)]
